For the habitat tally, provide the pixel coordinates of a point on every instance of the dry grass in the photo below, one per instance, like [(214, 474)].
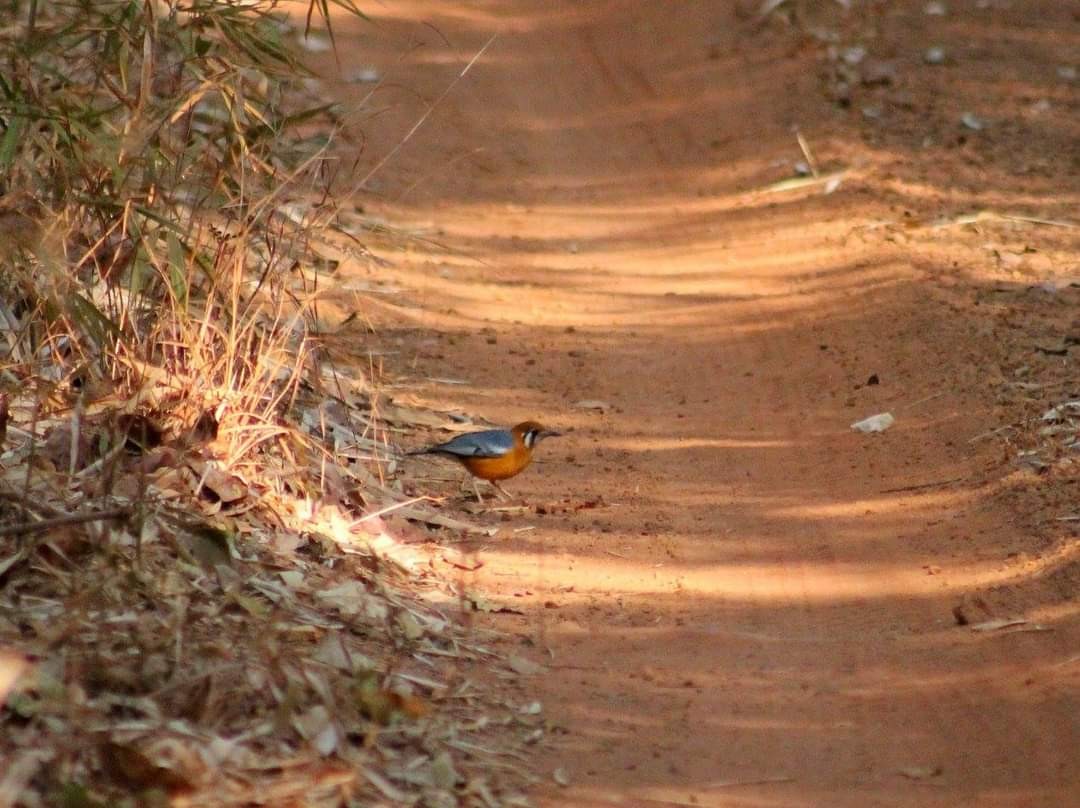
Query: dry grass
[(191, 608)]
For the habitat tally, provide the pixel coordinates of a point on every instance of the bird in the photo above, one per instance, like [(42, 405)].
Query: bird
[(493, 454)]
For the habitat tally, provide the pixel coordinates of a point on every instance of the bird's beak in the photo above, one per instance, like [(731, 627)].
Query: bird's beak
[(548, 433)]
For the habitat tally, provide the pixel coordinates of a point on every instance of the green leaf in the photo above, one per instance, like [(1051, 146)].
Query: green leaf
[(306, 114), (10, 141), (89, 318), (177, 262), (75, 795), (140, 275)]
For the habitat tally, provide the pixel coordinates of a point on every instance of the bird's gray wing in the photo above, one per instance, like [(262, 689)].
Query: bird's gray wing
[(489, 443)]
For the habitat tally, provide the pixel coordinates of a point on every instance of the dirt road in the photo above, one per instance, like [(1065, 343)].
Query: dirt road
[(739, 600)]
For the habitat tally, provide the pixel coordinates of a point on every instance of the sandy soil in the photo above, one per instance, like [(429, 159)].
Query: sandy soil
[(740, 601)]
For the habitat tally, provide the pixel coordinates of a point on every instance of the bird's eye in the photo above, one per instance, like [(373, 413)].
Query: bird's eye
[(530, 438)]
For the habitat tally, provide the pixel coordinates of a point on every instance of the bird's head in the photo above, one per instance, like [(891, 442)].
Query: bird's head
[(531, 433)]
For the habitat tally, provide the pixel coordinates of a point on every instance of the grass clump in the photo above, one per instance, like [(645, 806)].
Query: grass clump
[(147, 150)]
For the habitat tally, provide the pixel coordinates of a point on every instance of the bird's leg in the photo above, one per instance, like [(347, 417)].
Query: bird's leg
[(466, 480), (502, 492)]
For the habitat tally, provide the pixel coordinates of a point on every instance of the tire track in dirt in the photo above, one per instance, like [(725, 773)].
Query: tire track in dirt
[(743, 617)]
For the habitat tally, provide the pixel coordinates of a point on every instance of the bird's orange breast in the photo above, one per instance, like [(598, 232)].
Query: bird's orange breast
[(498, 468)]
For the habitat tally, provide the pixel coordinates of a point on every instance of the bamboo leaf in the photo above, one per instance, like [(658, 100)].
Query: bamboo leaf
[(10, 141)]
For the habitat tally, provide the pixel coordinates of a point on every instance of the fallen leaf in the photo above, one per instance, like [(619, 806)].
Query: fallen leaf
[(225, 487), (1059, 348), (798, 183), (430, 517), (592, 404), (253, 606), (388, 789), (133, 768), (292, 578), (443, 773), (920, 772), (481, 604), (523, 666), (998, 624), (875, 423), (382, 705), (410, 626), (332, 651), (352, 598), (972, 121), (411, 706), (317, 726), (402, 415), (561, 777)]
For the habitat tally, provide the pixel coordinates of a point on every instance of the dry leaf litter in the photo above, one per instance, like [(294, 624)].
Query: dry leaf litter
[(232, 634)]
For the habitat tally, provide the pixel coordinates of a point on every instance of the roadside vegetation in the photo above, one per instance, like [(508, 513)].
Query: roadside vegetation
[(193, 600)]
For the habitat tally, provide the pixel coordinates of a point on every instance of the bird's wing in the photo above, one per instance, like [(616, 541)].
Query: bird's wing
[(490, 443)]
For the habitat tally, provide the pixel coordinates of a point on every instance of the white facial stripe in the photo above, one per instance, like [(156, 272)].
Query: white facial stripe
[(530, 438)]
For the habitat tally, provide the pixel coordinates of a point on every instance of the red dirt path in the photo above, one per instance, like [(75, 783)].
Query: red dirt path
[(753, 614)]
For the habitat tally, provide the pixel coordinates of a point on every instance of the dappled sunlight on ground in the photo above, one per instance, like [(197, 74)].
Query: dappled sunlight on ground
[(737, 599), (825, 582)]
